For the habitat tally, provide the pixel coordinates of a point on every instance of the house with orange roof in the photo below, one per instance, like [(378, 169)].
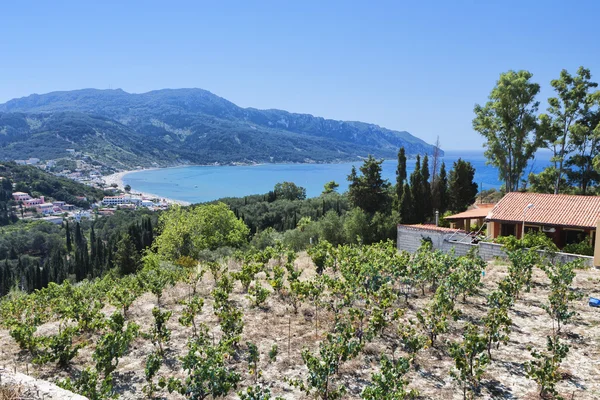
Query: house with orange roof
[(564, 218), (477, 214)]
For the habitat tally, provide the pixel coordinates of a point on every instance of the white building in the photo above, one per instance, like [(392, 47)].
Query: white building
[(121, 200)]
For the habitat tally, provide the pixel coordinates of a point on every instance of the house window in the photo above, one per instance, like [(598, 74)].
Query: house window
[(571, 236), (507, 230)]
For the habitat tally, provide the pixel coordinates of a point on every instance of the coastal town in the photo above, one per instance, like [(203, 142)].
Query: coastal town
[(81, 168)]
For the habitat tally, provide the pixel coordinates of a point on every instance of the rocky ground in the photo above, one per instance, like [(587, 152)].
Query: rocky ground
[(277, 324)]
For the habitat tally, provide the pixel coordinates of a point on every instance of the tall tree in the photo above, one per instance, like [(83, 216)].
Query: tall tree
[(565, 114), (585, 138), (369, 191), (330, 187), (462, 189), (440, 191), (426, 189), (435, 161), (68, 230), (416, 189), (127, 257), (400, 174), (406, 206), (509, 124)]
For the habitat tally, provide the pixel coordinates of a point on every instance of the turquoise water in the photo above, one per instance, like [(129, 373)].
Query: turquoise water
[(196, 184)]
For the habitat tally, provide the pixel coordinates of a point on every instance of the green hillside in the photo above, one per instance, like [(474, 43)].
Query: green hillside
[(183, 126)]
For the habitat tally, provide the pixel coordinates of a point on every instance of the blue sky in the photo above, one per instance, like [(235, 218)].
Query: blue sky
[(418, 66)]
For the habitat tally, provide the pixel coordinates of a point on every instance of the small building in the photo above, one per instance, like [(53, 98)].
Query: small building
[(45, 208), (21, 196), (476, 214), (566, 219)]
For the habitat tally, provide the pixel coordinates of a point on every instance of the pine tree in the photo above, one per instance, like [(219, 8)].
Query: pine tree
[(426, 189), (369, 191), (400, 175)]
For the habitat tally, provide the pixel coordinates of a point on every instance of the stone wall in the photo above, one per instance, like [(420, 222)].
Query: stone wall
[(409, 239)]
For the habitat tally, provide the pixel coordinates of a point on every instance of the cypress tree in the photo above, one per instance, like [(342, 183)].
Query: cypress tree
[(416, 188), (426, 189), (462, 189), (68, 230), (400, 175), (406, 206), (126, 256), (93, 251), (440, 191)]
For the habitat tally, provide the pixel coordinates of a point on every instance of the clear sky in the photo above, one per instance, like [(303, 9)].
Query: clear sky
[(418, 66)]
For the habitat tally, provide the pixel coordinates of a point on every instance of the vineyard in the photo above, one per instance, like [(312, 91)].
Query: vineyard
[(346, 322)]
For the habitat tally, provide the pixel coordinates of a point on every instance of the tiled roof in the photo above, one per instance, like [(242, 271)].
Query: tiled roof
[(430, 228), (480, 211), (548, 209)]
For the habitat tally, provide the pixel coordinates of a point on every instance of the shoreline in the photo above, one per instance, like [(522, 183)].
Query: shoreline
[(117, 178)]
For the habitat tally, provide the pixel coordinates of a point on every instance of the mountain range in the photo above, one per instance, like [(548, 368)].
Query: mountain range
[(183, 126)]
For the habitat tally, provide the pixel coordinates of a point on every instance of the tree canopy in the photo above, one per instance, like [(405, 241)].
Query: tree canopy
[(188, 231), (369, 191), (509, 123)]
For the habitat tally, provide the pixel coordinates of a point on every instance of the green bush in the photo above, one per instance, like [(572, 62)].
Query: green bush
[(537, 241), (584, 248)]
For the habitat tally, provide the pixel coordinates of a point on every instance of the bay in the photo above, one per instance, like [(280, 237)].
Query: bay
[(195, 184)]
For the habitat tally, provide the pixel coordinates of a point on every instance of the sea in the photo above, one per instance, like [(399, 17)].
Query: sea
[(196, 184)]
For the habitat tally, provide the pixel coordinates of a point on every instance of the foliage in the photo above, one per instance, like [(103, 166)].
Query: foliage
[(509, 125), (369, 191), (561, 277), (207, 372), (258, 295), (531, 240), (289, 191), (470, 360), (497, 322), (390, 383), (192, 308), (113, 344), (584, 248), (543, 369), (462, 189), (564, 127), (59, 348), (159, 334), (187, 231), (330, 187), (86, 384)]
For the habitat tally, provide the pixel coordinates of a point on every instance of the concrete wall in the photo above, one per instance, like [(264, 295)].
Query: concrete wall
[(409, 239)]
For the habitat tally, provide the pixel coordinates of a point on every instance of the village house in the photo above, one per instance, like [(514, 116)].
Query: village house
[(21, 196), (45, 208), (475, 215), (566, 219), (32, 202)]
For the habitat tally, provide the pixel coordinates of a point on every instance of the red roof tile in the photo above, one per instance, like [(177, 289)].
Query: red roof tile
[(548, 209), (474, 213), (431, 228)]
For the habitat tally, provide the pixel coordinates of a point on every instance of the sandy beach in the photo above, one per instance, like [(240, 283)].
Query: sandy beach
[(117, 178)]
